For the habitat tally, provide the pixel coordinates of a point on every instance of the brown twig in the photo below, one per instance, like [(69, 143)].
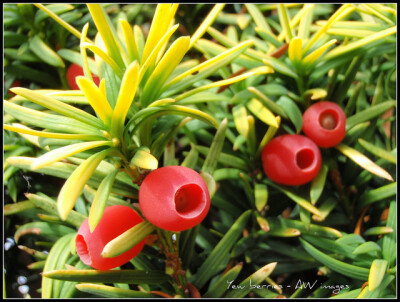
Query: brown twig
[(194, 292), (385, 214), (364, 285), (386, 124), (160, 293), (280, 51), (243, 10), (357, 229)]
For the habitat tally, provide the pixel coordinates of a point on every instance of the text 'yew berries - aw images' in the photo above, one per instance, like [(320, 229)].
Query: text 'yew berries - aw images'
[(116, 220), (291, 159), (174, 198), (325, 123)]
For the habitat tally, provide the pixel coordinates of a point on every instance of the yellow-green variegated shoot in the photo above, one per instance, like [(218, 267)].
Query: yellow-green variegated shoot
[(74, 185)]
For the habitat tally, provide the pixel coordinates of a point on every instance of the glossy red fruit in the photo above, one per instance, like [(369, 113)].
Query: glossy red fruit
[(115, 220), (325, 123), (291, 159), (174, 198), (75, 70)]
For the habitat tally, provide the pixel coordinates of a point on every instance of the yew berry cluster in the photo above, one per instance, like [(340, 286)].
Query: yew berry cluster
[(173, 198), (294, 159), (176, 198)]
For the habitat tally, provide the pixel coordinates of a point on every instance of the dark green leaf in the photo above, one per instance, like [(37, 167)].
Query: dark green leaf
[(211, 265), (128, 276), (56, 259), (366, 248), (112, 292), (369, 113), (378, 194), (346, 269), (292, 111), (50, 206), (211, 160), (389, 240)]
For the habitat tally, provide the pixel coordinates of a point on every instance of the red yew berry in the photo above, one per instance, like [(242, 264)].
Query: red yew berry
[(174, 198), (291, 159), (75, 70), (325, 123), (115, 220)]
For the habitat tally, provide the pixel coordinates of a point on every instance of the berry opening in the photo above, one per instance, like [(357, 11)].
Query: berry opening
[(304, 158), (189, 200), (328, 119), (83, 250)]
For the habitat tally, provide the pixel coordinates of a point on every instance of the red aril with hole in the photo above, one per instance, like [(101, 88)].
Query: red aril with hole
[(75, 70), (115, 220), (325, 123), (174, 198), (291, 159)]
